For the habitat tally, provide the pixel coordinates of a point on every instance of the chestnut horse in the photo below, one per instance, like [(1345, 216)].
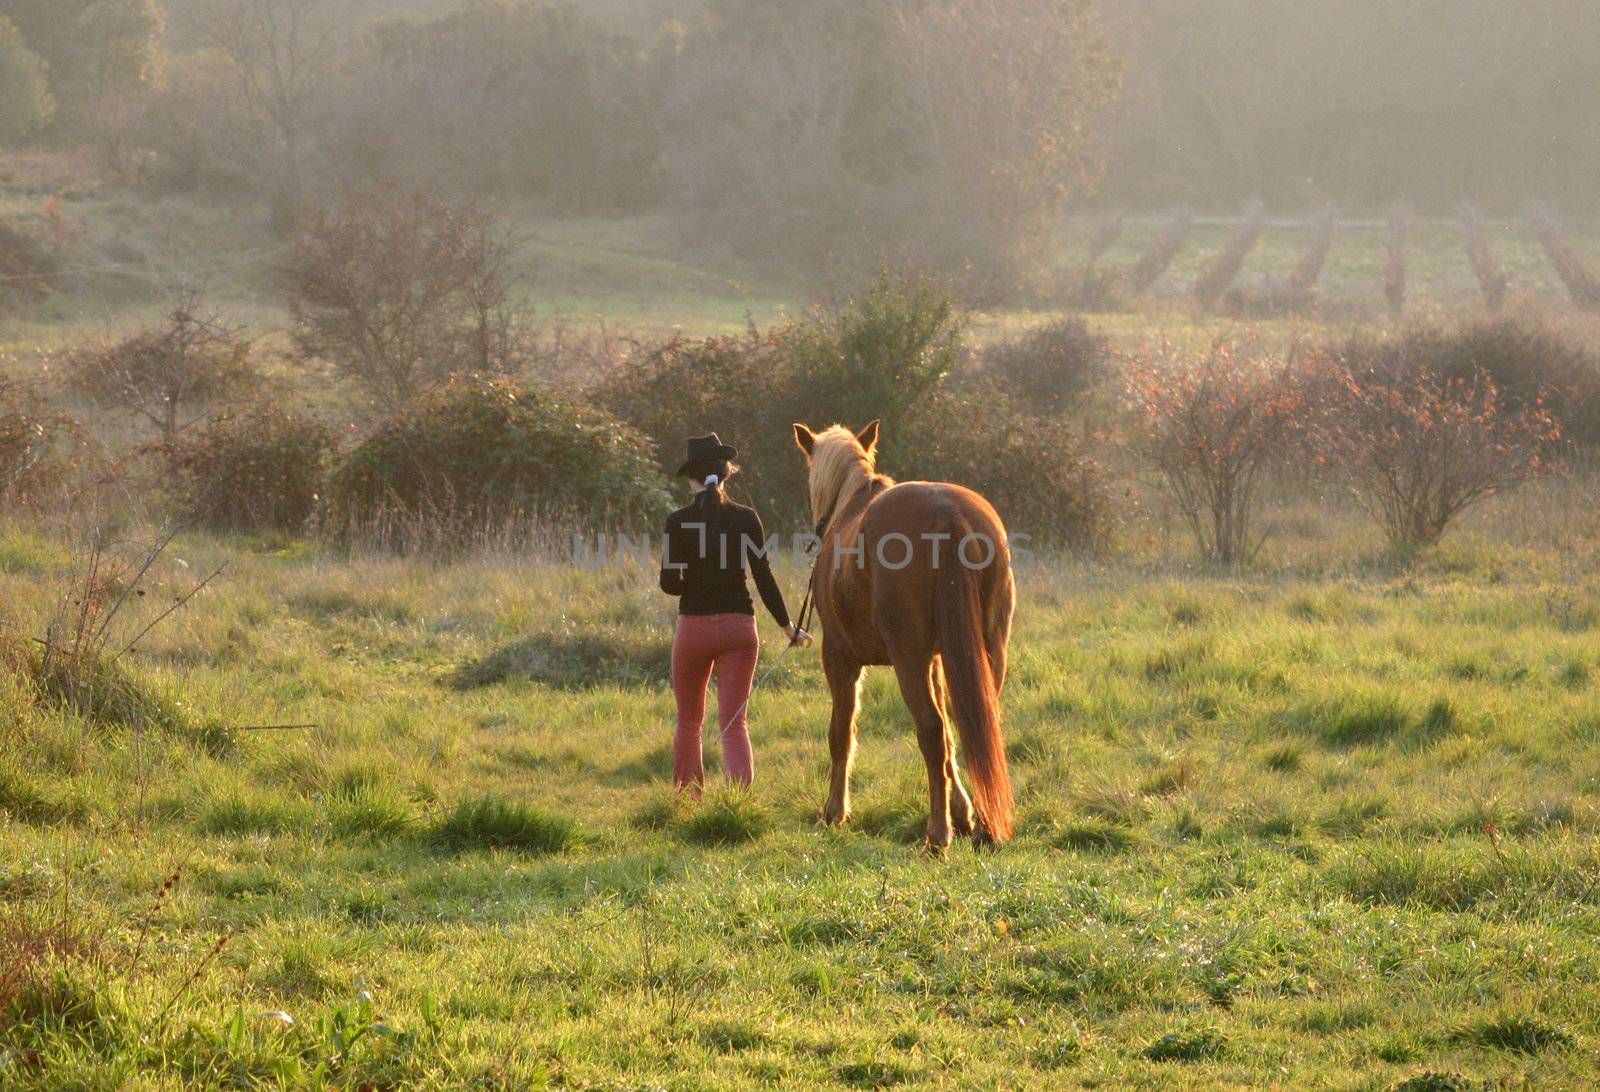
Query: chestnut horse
[(916, 575)]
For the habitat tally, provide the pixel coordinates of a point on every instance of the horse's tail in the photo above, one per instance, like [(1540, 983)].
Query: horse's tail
[(958, 619)]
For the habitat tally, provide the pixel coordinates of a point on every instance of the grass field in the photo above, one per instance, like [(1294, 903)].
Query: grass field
[(1325, 830), (1330, 820)]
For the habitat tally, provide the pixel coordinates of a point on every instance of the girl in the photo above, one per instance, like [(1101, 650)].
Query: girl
[(708, 544)]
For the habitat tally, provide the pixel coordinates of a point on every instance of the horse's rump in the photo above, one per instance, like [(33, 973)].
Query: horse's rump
[(952, 596)]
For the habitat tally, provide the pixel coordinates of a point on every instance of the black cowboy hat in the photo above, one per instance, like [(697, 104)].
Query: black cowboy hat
[(704, 450)]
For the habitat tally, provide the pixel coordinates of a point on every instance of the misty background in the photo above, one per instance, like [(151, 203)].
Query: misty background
[(833, 133)]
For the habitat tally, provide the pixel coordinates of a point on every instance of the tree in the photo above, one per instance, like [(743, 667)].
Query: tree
[(92, 48), (945, 132), (400, 290), (26, 105), (282, 54), (520, 96), (169, 377)]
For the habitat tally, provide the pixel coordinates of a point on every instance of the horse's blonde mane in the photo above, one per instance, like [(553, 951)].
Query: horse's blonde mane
[(840, 468)]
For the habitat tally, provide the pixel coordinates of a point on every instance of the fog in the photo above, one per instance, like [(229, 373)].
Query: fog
[(952, 135)]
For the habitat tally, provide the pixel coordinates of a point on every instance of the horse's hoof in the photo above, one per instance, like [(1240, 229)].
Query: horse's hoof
[(982, 839), (960, 824), (835, 819), (935, 851)]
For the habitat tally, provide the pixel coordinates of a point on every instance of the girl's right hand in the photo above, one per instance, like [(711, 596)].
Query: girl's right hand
[(798, 636)]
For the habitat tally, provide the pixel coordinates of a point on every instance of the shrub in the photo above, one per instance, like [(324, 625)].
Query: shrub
[(400, 291), (169, 377), (260, 467), (39, 449), (1528, 360), (877, 356), (490, 822), (1420, 449), (1210, 425), (739, 387), (476, 452), (29, 266), (1047, 367), (882, 354), (1095, 288), (1033, 470)]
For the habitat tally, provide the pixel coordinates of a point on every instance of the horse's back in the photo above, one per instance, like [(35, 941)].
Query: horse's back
[(919, 536), (921, 508)]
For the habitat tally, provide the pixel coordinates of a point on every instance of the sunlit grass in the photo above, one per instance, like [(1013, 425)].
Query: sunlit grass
[(1314, 830)]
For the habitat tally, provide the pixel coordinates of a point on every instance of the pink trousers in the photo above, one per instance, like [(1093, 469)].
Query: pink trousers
[(728, 643)]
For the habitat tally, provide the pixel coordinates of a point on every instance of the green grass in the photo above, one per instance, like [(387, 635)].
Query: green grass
[(1270, 829), (1333, 821)]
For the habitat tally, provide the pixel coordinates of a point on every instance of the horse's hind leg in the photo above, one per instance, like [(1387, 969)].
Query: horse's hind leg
[(844, 681), (960, 802), (917, 687)]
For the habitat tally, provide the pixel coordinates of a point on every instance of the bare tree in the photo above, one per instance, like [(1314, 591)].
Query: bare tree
[(168, 377), (1216, 277), (1155, 260), (1394, 270), (282, 53), (1492, 279), (399, 291), (1303, 278), (1581, 281)]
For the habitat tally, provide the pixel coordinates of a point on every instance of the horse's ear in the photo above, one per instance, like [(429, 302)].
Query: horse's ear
[(805, 438), (868, 437)]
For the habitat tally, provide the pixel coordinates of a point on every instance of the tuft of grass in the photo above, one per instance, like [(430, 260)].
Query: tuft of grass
[(368, 811), (1430, 1080), (1355, 720), (1284, 758), (1094, 836), (1059, 1053), (1170, 779), (1176, 660), (727, 816), (23, 798), (665, 808), (1197, 1045), (101, 690), (900, 817), (572, 661), (1440, 719), (874, 1073), (729, 1036), (490, 822), (235, 814), (1517, 1033)]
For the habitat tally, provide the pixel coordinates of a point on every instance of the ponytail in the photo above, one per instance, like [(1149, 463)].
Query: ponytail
[(712, 496)]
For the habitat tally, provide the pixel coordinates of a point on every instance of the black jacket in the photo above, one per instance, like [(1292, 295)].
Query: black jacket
[(704, 559)]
